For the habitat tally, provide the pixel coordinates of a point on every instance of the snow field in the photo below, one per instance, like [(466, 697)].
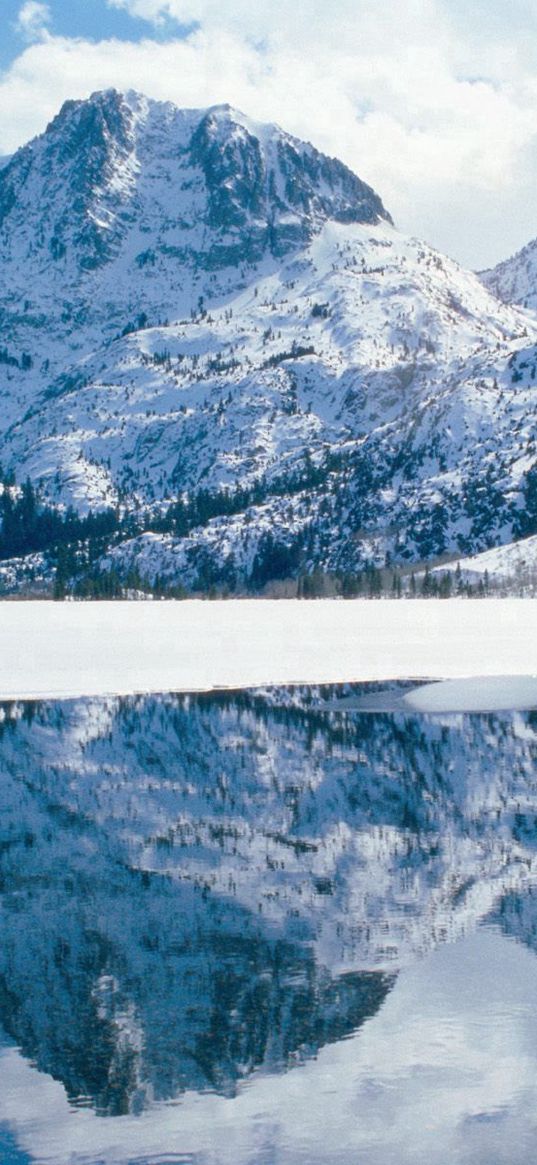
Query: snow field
[(82, 649)]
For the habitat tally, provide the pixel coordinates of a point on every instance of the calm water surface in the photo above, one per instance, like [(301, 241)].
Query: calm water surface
[(258, 929)]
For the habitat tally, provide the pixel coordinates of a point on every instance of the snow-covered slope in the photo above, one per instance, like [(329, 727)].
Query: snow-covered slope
[(514, 564), (514, 280), (195, 301)]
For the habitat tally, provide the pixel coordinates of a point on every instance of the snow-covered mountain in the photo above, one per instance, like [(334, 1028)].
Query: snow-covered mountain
[(192, 302), (514, 280), (128, 209)]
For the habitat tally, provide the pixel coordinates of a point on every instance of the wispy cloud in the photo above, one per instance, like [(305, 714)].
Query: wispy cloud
[(33, 20)]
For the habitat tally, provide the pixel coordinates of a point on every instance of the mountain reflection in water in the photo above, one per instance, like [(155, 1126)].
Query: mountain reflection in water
[(196, 890)]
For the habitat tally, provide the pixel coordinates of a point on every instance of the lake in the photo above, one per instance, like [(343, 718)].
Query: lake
[(267, 927)]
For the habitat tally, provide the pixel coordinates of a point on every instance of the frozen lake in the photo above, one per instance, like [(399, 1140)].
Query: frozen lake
[(84, 649), (241, 928)]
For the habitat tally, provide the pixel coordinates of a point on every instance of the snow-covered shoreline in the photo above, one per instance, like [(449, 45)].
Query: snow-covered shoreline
[(62, 650)]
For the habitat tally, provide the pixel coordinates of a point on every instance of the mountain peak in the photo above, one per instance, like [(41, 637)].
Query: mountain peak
[(228, 189), (107, 102)]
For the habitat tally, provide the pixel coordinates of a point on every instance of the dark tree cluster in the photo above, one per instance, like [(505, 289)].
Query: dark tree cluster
[(199, 508), (28, 525), (25, 362), (526, 519)]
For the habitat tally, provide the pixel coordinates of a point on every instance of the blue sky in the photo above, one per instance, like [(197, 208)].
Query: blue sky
[(92, 19), (70, 18), (434, 102)]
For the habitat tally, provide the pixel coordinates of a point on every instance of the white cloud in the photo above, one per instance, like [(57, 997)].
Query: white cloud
[(434, 102), (33, 20)]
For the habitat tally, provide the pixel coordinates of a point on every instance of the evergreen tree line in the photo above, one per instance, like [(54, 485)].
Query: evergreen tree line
[(277, 563), (74, 544), (28, 525)]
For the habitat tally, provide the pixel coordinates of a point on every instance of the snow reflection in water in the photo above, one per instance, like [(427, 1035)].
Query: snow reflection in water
[(241, 928)]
